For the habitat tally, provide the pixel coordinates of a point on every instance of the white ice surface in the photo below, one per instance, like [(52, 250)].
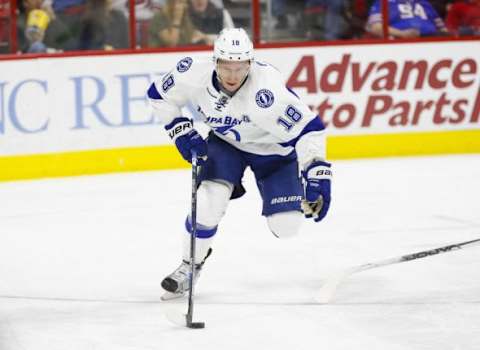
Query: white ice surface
[(81, 260)]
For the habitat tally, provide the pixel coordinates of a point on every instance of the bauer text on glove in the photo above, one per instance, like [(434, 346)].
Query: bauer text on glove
[(186, 139)]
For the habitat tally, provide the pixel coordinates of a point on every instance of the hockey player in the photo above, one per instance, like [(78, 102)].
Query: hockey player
[(256, 122)]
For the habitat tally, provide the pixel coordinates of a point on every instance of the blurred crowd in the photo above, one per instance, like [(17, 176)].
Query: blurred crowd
[(45, 26), (353, 19)]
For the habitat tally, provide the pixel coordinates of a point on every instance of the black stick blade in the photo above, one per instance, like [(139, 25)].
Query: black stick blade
[(196, 325), (181, 320)]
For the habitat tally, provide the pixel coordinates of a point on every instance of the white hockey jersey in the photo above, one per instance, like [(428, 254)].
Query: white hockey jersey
[(263, 117)]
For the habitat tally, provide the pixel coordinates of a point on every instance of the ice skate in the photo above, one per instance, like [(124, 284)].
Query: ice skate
[(177, 284)]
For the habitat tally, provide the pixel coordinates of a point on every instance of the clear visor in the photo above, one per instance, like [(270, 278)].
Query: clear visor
[(232, 71)]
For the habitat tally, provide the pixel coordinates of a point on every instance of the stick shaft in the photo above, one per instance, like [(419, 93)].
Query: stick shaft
[(193, 236), (327, 291), (418, 255)]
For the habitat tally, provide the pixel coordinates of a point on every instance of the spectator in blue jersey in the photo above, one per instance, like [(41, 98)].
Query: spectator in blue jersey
[(407, 19)]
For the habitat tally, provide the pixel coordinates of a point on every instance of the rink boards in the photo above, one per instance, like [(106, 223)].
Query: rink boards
[(84, 115)]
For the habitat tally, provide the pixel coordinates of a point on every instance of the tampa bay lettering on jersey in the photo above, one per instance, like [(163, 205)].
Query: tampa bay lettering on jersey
[(224, 120), (227, 121)]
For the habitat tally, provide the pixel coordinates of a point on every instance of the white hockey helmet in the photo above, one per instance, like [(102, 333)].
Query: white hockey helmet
[(233, 44)]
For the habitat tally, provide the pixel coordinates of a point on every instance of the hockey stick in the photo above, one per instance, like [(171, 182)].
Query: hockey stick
[(187, 320), (193, 240), (329, 287)]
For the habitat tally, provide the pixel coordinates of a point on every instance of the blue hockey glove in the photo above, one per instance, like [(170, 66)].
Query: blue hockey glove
[(317, 183), (186, 139)]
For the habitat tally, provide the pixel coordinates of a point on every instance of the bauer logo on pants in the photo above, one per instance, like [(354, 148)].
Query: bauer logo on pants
[(279, 200)]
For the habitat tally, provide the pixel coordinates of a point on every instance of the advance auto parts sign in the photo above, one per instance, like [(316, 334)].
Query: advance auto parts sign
[(394, 88)]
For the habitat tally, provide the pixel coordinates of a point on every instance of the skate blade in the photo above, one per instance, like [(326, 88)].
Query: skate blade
[(171, 296)]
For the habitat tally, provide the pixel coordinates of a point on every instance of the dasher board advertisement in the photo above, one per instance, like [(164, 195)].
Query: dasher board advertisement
[(75, 115)]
